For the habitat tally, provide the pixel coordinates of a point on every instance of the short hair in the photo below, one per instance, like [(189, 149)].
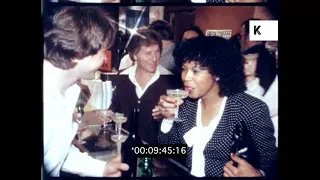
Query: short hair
[(266, 65), (77, 32), (246, 24), (219, 56), (143, 37), (195, 29), (163, 28)]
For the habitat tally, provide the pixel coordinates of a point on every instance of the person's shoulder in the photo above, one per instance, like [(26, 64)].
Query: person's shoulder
[(126, 71), (247, 101)]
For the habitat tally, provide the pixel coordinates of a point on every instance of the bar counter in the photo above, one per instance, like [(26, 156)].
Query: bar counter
[(100, 146)]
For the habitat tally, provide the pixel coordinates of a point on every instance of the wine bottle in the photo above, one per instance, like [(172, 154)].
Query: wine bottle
[(80, 109)]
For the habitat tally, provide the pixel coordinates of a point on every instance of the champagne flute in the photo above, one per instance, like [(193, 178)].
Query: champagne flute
[(177, 94)]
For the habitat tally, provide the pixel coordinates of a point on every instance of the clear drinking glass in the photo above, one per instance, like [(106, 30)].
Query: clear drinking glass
[(177, 94), (119, 137), (103, 114), (118, 118)]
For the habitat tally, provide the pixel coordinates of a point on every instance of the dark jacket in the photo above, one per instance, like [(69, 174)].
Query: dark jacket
[(125, 99), (241, 107)]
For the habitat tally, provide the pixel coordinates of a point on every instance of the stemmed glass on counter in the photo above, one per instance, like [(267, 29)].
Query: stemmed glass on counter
[(119, 137), (120, 134)]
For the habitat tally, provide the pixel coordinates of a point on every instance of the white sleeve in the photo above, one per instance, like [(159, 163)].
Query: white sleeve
[(83, 164), (166, 125), (125, 62), (59, 154)]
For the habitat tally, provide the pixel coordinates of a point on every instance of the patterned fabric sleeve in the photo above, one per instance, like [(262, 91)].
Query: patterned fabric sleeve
[(215, 1), (171, 137), (263, 138)]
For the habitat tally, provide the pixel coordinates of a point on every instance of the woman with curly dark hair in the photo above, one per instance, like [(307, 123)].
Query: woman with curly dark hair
[(212, 73)]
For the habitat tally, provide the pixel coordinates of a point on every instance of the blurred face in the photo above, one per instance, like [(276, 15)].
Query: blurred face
[(189, 34), (250, 64), (90, 64), (148, 58), (197, 80)]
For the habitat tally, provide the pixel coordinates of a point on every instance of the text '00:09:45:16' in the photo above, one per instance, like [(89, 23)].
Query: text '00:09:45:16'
[(160, 150)]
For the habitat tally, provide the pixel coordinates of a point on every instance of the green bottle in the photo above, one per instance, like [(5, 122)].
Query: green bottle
[(145, 167)]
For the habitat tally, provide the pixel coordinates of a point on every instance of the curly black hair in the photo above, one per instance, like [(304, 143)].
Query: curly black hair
[(219, 56)]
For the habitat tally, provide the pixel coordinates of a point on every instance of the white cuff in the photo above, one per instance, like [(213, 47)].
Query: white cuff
[(262, 172), (166, 125)]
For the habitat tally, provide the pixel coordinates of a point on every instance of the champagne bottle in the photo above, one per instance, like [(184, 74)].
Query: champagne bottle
[(145, 167)]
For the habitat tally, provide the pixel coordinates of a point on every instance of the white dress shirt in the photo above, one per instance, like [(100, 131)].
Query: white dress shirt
[(254, 88), (132, 76), (59, 130), (198, 137), (126, 62)]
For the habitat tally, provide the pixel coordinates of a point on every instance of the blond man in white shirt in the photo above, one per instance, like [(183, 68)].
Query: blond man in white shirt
[(73, 49)]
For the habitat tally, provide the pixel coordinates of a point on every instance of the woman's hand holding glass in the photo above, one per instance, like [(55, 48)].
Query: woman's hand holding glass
[(166, 107)]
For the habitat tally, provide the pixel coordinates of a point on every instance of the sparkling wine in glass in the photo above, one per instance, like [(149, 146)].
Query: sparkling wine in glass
[(119, 137), (177, 94), (118, 120), (103, 114)]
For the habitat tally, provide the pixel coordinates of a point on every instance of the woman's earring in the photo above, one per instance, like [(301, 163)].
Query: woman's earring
[(217, 79)]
